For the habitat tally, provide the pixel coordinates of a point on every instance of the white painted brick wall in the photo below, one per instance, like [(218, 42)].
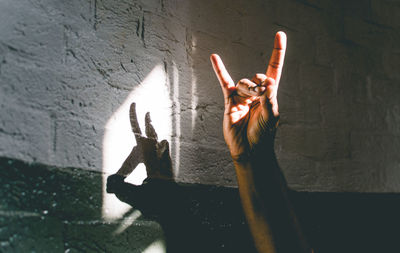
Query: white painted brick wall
[(66, 67)]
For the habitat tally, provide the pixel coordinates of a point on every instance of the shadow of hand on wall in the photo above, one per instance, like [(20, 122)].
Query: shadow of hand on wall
[(154, 154), (194, 218), (163, 201)]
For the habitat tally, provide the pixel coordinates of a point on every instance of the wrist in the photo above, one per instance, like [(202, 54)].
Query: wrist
[(257, 156), (260, 147)]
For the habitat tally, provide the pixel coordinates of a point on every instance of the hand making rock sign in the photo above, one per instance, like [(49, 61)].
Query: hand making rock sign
[(251, 106), (250, 120)]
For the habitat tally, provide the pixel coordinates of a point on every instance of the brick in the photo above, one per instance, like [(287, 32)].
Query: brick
[(379, 88), (362, 32), (323, 50), (31, 234), (30, 141), (77, 144), (392, 178), (392, 119), (209, 165), (310, 142), (316, 80), (385, 12), (390, 60), (370, 146), (163, 33)]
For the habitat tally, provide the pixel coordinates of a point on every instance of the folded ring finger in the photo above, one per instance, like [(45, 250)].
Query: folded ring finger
[(247, 88), (258, 79)]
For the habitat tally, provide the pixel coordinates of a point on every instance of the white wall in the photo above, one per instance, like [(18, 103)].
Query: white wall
[(68, 67)]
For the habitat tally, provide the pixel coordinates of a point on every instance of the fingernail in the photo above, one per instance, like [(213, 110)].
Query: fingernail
[(259, 89)]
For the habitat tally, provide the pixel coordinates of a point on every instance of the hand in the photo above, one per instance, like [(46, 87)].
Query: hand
[(251, 107), (114, 183), (154, 154)]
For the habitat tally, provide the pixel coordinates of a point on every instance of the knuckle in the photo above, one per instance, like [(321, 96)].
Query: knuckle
[(243, 81), (260, 76), (275, 64)]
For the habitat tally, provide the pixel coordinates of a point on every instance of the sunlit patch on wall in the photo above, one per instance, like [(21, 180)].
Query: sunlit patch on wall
[(194, 89), (156, 247), (127, 222), (175, 145), (194, 101), (153, 96)]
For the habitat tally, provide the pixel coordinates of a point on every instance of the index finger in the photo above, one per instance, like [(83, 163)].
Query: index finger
[(134, 121), (223, 76), (278, 55)]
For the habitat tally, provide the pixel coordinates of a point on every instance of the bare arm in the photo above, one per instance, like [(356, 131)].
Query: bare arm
[(250, 120), (263, 192)]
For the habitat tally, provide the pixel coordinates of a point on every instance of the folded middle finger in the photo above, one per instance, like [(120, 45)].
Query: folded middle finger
[(247, 88)]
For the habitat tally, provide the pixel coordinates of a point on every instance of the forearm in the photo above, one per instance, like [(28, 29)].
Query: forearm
[(263, 192)]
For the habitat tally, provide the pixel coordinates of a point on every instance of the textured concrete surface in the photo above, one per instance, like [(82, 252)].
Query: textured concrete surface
[(66, 67), (50, 209), (47, 209)]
